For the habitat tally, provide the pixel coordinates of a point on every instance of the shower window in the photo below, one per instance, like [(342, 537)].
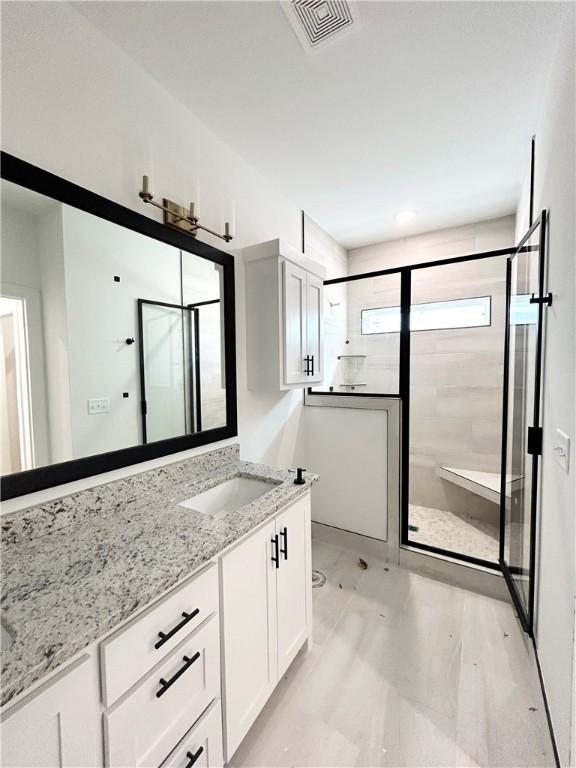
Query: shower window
[(432, 316)]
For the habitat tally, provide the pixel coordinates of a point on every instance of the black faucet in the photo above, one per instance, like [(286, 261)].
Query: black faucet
[(299, 480)]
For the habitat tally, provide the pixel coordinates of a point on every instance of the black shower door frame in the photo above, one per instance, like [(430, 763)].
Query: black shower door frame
[(192, 398), (403, 393), (525, 612)]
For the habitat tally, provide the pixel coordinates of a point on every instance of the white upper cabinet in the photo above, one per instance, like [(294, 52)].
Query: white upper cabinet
[(284, 311), (314, 327), (294, 317)]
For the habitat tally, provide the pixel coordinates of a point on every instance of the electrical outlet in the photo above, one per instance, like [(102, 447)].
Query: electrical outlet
[(98, 405)]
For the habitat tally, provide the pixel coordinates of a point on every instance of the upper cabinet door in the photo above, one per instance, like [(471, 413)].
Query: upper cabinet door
[(294, 580), (294, 323), (314, 323)]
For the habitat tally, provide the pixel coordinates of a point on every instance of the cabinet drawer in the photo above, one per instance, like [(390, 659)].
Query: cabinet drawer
[(148, 721), (202, 745), (130, 653)]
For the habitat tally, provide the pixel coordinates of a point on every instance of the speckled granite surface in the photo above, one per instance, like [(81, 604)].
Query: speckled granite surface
[(75, 568)]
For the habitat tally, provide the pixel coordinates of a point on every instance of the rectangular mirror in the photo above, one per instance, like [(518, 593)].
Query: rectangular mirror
[(116, 334)]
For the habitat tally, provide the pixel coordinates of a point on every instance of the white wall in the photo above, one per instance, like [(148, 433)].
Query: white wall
[(353, 490), (55, 328), (101, 314), (335, 259), (554, 190), (76, 105)]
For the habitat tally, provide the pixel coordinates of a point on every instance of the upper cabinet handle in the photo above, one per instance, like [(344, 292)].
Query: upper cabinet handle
[(164, 637), (165, 684), (307, 361), (312, 358)]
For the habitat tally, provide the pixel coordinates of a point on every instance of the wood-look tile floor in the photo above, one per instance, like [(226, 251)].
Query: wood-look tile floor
[(403, 671)]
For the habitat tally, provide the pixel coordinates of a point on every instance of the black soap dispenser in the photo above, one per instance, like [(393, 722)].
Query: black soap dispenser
[(299, 480)]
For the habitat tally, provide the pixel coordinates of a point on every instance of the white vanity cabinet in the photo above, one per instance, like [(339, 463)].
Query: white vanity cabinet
[(266, 614), (57, 724), (284, 311), (160, 690), (160, 673)]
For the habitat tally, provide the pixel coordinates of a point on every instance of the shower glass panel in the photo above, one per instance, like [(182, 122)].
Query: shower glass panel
[(457, 333), (164, 379), (520, 461), (362, 336)]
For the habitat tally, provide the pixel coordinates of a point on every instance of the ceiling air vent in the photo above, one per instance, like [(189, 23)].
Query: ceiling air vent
[(317, 22)]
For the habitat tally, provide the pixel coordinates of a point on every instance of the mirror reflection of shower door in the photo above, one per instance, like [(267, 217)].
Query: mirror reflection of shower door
[(522, 434), (164, 363)]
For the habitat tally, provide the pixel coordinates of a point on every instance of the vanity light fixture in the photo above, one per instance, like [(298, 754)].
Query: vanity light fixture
[(404, 216), (178, 217)]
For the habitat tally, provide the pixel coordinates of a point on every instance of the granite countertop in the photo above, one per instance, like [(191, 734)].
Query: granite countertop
[(75, 568)]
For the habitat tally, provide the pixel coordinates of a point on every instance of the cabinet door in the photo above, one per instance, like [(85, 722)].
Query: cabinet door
[(293, 580), (57, 725), (294, 323), (249, 632), (314, 326)]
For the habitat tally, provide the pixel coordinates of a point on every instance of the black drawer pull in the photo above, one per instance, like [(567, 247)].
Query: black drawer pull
[(187, 664), (275, 557), (164, 637), (284, 549), (193, 757)]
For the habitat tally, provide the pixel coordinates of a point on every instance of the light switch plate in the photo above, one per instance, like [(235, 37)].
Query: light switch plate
[(98, 405), (562, 449)]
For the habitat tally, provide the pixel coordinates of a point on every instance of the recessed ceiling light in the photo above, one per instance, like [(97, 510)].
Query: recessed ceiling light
[(404, 216)]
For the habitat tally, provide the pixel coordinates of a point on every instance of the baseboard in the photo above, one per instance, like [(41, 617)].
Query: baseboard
[(457, 573), (355, 542), (547, 707)]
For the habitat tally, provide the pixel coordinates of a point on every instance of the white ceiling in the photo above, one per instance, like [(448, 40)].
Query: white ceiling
[(428, 106)]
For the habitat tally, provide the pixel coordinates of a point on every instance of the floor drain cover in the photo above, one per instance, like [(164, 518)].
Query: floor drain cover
[(318, 579)]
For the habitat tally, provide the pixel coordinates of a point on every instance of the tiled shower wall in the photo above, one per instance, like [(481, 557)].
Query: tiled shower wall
[(456, 383)]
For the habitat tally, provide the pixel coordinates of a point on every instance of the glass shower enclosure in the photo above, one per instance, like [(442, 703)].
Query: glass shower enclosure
[(522, 440)]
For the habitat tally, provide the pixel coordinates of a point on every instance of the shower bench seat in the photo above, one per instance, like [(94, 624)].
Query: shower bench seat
[(485, 484)]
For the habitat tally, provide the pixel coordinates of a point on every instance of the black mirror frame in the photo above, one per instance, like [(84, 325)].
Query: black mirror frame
[(20, 483)]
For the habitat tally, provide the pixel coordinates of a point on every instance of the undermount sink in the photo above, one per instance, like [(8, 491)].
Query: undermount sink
[(228, 496)]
